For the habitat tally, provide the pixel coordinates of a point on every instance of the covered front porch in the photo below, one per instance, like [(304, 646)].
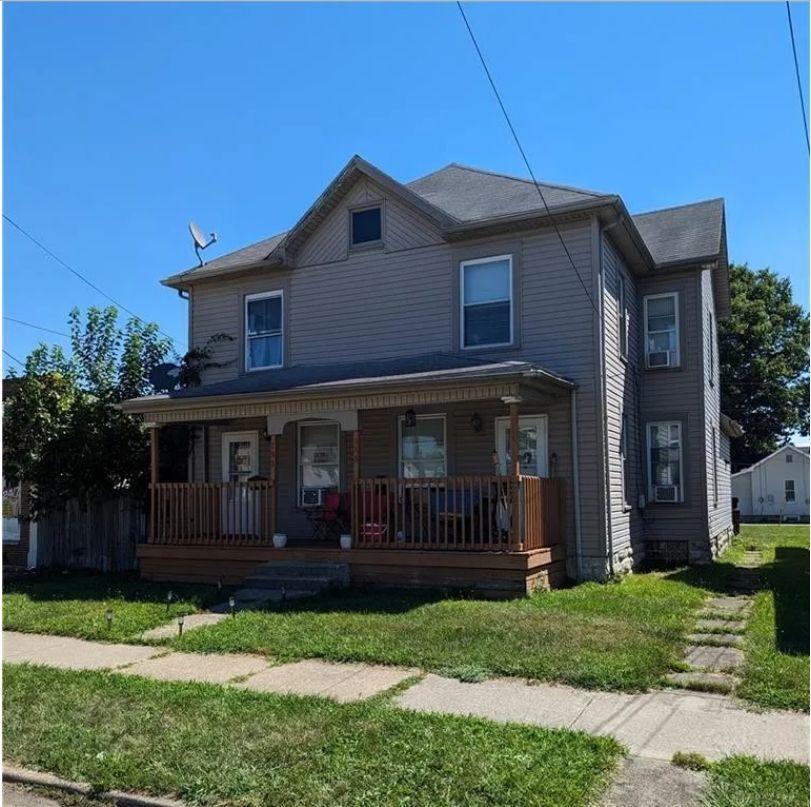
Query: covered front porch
[(433, 480)]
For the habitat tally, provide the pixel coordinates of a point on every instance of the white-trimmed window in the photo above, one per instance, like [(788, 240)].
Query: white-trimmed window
[(789, 457), (264, 339), (486, 316), (624, 451), (319, 461), (665, 461), (715, 466), (423, 447), (12, 504), (622, 314), (791, 495), (662, 330)]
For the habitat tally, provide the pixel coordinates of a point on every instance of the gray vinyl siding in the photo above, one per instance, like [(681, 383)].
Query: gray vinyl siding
[(719, 513), (621, 382), (676, 394), (402, 299)]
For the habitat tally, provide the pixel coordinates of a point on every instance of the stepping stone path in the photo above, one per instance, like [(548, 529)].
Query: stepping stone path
[(714, 653)]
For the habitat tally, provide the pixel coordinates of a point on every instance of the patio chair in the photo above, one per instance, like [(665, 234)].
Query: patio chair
[(373, 517)]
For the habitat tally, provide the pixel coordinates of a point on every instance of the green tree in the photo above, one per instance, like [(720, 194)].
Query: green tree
[(62, 430), (764, 363)]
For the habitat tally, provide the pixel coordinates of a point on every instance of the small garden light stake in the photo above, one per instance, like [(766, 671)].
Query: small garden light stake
[(168, 599), (180, 620), (108, 614), (231, 605)]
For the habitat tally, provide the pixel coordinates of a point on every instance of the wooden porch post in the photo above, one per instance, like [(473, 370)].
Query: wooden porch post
[(515, 469), (274, 480), (154, 438), (353, 498)]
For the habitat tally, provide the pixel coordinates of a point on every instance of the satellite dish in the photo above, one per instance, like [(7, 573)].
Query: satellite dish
[(200, 241), (163, 377)]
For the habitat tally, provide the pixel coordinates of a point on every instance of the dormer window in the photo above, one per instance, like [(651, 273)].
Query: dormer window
[(366, 226)]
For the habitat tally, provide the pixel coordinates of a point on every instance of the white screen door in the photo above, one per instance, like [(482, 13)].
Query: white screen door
[(532, 445), (240, 461)]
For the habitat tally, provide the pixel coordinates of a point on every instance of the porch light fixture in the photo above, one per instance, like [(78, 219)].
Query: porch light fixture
[(410, 419), (476, 422)]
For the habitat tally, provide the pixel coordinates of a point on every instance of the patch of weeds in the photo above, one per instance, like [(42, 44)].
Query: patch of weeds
[(691, 761), (466, 673)]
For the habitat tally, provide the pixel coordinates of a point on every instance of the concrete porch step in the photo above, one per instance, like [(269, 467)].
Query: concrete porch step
[(290, 582)]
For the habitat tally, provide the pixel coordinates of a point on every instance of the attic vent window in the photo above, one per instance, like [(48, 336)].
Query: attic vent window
[(366, 226)]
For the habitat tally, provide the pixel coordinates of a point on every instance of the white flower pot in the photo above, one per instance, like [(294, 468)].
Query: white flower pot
[(346, 541), (279, 540)]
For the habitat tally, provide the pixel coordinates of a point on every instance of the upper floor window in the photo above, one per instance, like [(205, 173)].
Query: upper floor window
[(486, 301), (789, 458), (622, 303), (665, 461), (711, 346), (263, 331), (367, 226), (662, 330)]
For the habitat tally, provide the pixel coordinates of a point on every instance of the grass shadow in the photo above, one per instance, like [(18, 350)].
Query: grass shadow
[(788, 580)]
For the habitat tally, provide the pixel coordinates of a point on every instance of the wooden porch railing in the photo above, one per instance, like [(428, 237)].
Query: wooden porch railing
[(224, 513), (469, 513)]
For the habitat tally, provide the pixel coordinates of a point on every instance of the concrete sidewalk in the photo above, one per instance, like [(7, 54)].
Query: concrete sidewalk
[(653, 724)]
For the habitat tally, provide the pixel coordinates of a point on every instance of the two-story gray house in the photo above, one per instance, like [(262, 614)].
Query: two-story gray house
[(473, 388)]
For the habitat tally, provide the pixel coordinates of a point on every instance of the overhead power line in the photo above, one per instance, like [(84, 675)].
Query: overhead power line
[(83, 278), (797, 73), (13, 358), (523, 154), (38, 327)]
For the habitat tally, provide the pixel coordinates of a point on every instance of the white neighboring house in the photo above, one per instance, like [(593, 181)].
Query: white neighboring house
[(776, 488)]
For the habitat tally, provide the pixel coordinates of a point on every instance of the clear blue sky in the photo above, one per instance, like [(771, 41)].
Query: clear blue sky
[(124, 121)]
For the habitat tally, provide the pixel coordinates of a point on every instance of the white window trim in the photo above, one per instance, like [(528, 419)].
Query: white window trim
[(429, 416), (303, 424), (711, 328), (251, 437), (473, 262), (786, 491), (249, 298), (651, 486), (675, 295), (622, 314), (715, 466)]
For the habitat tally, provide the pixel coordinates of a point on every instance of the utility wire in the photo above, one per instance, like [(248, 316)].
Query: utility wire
[(38, 327), (13, 358), (82, 277), (523, 154), (797, 73)]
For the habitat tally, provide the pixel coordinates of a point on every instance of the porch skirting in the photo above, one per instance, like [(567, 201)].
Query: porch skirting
[(498, 574)]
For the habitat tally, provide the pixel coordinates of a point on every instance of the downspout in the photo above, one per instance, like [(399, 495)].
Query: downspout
[(578, 540)]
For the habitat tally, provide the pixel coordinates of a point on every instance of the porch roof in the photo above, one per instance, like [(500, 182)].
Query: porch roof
[(411, 380)]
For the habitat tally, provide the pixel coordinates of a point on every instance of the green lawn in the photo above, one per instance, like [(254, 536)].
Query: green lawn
[(618, 636), (76, 604), (776, 672), (217, 745), (746, 782)]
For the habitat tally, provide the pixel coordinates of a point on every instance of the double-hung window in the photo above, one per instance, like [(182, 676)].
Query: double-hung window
[(665, 461), (423, 448), (319, 461), (264, 347), (622, 304), (662, 330), (789, 457), (790, 492), (715, 466), (486, 302)]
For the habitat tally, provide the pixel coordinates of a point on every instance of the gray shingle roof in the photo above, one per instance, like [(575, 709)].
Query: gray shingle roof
[(684, 233), (431, 367), (471, 194)]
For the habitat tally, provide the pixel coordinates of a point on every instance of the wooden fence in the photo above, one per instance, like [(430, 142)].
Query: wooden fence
[(101, 535)]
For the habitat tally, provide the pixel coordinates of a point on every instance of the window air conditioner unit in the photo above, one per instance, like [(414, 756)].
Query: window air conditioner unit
[(659, 358), (312, 497), (665, 493)]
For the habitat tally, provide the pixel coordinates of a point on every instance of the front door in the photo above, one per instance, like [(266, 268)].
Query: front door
[(240, 461), (532, 450)]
